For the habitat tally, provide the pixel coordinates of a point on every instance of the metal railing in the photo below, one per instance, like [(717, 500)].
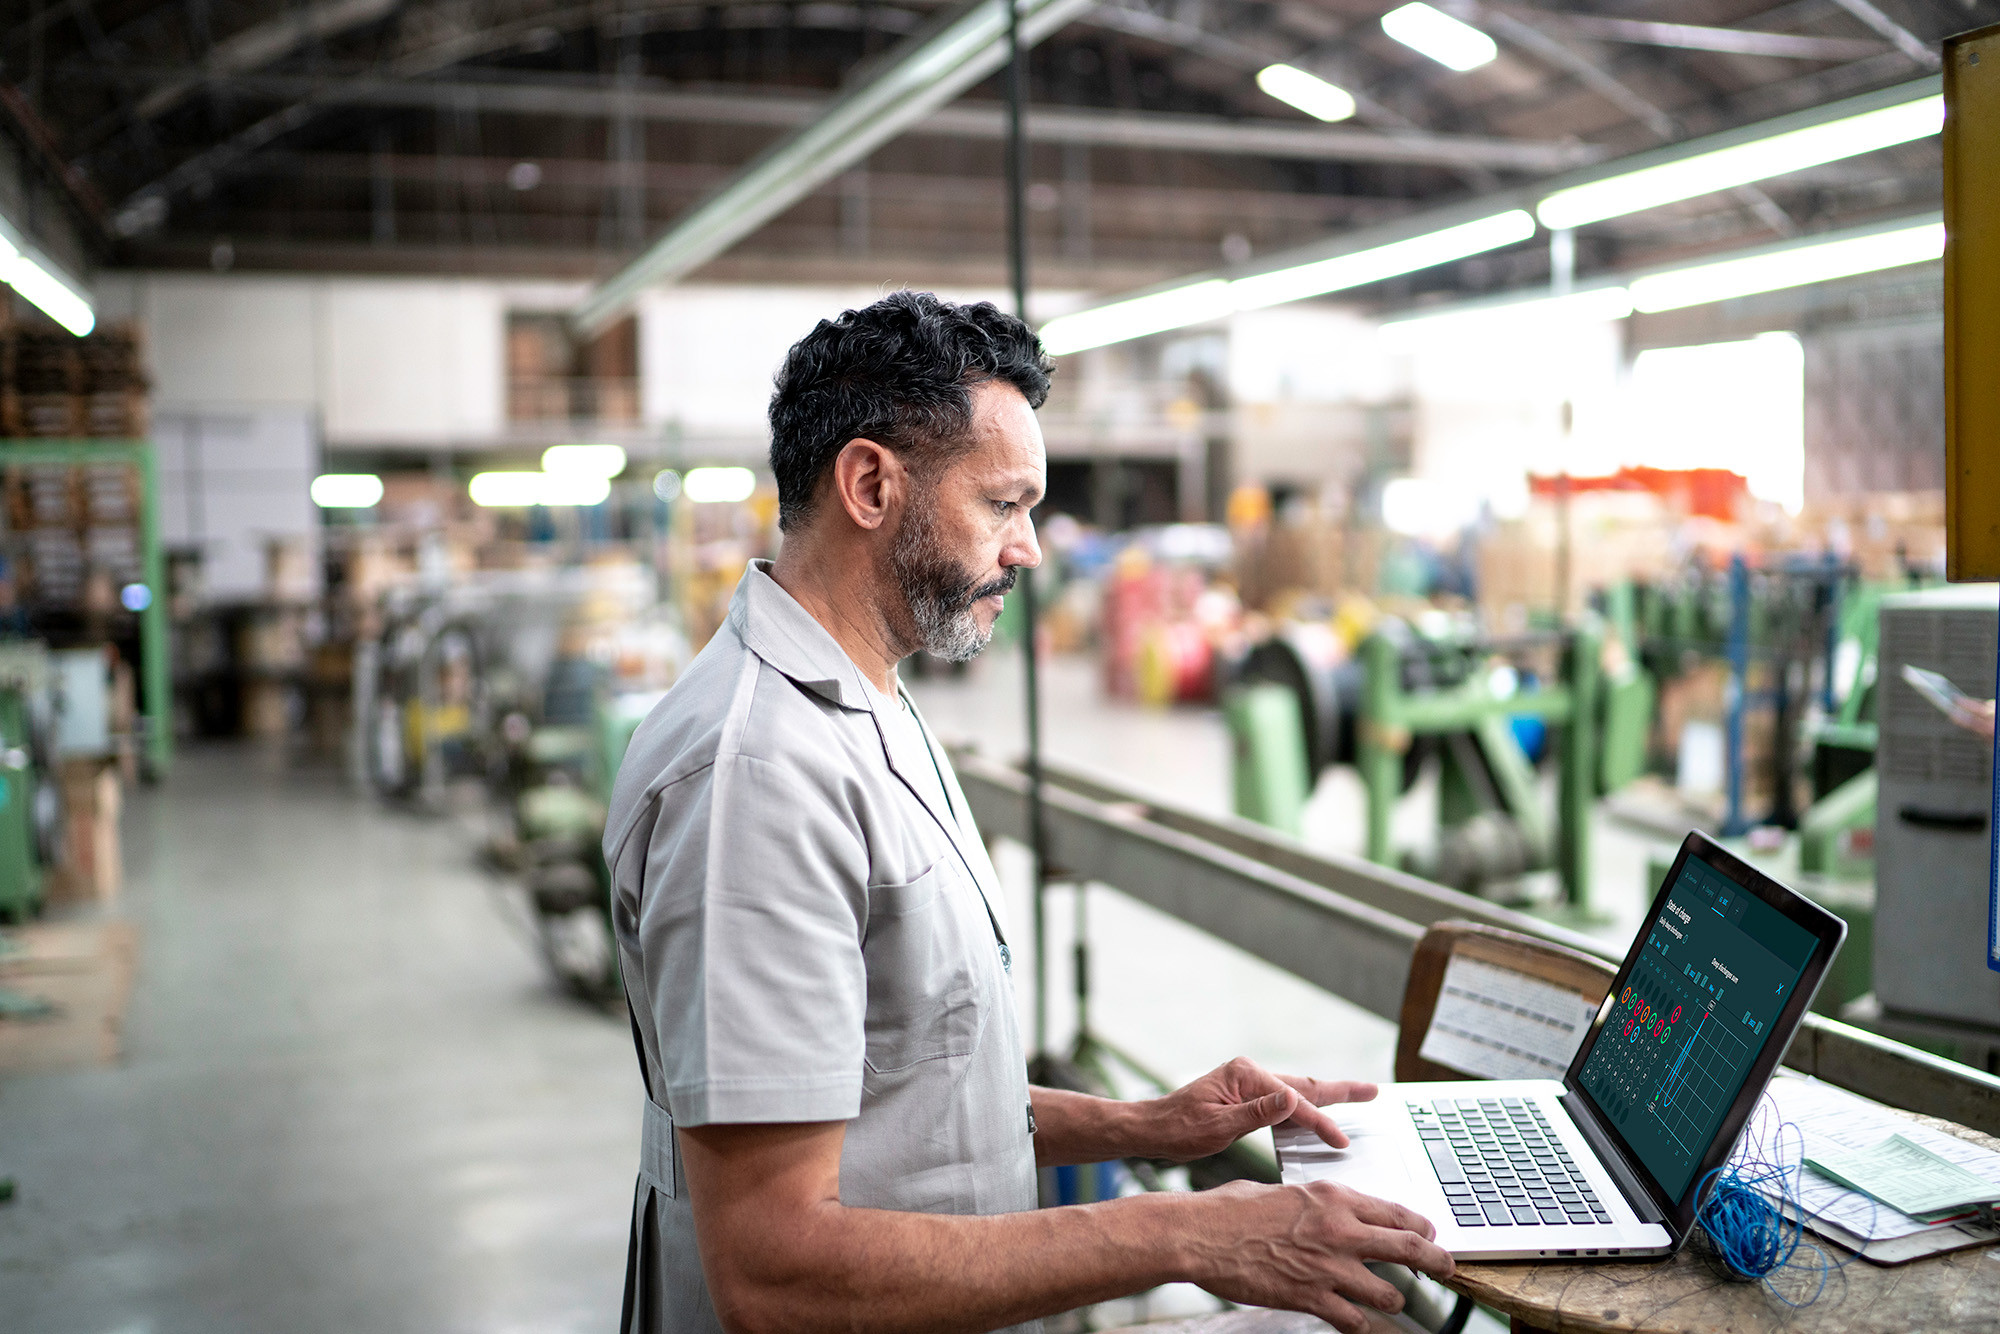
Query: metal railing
[(1349, 927)]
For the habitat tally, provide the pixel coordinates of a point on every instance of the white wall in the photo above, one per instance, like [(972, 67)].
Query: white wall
[(375, 361)]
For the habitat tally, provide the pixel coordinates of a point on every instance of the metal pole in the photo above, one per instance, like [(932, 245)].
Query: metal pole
[(1017, 273)]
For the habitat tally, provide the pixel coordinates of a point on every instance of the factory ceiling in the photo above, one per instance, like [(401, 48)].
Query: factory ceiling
[(539, 137)]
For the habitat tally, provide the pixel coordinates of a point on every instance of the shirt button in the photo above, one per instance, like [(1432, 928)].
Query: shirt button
[(1006, 959)]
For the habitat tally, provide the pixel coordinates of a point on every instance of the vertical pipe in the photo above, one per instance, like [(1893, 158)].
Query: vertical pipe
[(1735, 699), (154, 669), (1017, 273)]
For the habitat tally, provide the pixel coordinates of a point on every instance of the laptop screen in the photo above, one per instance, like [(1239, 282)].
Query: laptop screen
[(1697, 1006)]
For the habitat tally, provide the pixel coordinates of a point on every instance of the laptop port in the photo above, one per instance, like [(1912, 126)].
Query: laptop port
[(1565, 1252)]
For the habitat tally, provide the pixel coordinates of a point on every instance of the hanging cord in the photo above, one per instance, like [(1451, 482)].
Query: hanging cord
[(1754, 1238)]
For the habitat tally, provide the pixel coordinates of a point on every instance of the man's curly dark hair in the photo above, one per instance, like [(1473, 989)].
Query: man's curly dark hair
[(901, 373)]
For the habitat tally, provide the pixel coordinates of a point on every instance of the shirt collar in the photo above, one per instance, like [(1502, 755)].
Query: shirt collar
[(772, 624)]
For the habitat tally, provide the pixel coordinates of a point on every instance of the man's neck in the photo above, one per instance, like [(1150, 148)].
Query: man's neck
[(849, 608)]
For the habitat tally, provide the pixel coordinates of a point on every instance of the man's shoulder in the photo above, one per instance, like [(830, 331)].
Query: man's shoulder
[(732, 705)]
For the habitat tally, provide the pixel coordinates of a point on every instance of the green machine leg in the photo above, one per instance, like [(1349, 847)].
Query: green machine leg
[(1268, 746), (1578, 788), (1378, 752), (20, 871)]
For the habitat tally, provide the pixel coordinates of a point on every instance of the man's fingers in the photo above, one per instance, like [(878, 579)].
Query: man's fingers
[(1269, 1110), (1313, 1119), (1343, 1316), (1326, 1092), (1383, 1213), (1404, 1247)]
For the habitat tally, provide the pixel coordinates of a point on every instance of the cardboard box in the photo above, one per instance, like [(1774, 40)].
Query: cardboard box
[(93, 863)]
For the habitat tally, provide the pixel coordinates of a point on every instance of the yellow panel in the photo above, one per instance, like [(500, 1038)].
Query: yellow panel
[(1972, 305)]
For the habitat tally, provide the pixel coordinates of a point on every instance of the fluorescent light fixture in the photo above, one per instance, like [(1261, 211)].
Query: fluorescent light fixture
[(346, 490), (496, 490), (1212, 298), (1502, 319), (1789, 266), (1725, 168), (708, 486), (1436, 34), (50, 293), (1383, 261), (584, 460), (1154, 313), (1308, 92)]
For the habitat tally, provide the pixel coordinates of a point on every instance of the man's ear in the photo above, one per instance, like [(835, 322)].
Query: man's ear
[(869, 482)]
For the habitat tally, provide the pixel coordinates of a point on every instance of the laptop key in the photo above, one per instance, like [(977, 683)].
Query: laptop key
[(1443, 1163), (1526, 1216), (1553, 1216), (1497, 1214)]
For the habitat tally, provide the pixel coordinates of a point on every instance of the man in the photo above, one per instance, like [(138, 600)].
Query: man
[(839, 1130)]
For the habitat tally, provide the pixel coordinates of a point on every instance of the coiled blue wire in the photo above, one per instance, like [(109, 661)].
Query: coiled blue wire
[(1753, 1237)]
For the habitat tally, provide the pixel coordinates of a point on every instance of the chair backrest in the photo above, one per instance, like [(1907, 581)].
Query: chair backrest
[(1539, 961)]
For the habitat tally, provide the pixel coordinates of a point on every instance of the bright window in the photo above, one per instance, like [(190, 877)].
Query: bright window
[(1739, 406)]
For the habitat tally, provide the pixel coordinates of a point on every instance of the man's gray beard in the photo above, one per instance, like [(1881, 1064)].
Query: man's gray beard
[(937, 590)]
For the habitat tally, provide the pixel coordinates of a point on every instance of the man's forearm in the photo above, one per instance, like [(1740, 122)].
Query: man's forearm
[(1077, 1128), (884, 1271)]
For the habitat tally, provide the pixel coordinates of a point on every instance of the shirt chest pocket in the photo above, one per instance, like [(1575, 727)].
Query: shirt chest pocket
[(923, 985)]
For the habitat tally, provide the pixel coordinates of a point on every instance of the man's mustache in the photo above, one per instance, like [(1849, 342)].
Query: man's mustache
[(1004, 584)]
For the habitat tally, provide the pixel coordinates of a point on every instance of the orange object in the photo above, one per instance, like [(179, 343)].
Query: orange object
[(1712, 493)]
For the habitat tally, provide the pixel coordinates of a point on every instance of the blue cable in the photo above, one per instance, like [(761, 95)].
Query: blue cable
[(1753, 1237)]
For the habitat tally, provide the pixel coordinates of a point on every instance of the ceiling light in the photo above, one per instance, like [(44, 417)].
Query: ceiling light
[(1379, 262), (1438, 35), (1212, 298), (718, 485), (1500, 319), (1793, 265), (667, 485), (1158, 312), (346, 490), (584, 460), (50, 293), (513, 489), (1724, 168), (1308, 92)]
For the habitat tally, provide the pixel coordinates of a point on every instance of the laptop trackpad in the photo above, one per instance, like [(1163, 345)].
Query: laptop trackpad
[(1374, 1161)]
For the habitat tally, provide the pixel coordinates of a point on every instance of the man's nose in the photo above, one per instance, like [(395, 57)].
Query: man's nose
[(1024, 551)]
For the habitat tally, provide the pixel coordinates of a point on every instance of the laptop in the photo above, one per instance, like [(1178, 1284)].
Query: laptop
[(1606, 1161)]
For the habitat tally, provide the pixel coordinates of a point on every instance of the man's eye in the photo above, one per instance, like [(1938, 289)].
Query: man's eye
[(1004, 507)]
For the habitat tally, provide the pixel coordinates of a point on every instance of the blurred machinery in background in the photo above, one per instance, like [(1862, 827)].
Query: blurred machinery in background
[(1485, 711), (525, 685)]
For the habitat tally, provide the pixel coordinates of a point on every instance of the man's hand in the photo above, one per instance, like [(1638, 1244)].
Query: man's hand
[(1303, 1248), (1232, 1101)]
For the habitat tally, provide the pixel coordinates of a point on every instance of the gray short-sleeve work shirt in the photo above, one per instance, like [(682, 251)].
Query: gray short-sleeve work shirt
[(807, 934)]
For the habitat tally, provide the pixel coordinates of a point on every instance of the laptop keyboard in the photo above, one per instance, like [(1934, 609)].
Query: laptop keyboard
[(1501, 1164)]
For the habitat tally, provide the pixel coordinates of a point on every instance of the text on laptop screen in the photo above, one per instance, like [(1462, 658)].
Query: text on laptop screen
[(1697, 1007)]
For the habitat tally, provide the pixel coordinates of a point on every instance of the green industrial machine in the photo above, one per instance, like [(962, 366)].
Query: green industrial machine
[(1464, 702), (1465, 697)]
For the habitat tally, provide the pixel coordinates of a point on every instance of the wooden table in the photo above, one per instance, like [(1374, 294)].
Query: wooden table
[(1691, 1294)]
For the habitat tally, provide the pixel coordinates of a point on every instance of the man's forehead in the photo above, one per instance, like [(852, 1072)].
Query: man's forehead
[(1008, 435)]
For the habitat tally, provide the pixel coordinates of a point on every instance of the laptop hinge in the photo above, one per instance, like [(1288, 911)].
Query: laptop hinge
[(1635, 1194)]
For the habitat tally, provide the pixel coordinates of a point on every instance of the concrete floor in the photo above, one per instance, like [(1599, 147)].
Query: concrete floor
[(351, 1099)]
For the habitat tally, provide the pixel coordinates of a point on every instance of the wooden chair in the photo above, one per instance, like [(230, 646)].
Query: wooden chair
[(1542, 960)]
